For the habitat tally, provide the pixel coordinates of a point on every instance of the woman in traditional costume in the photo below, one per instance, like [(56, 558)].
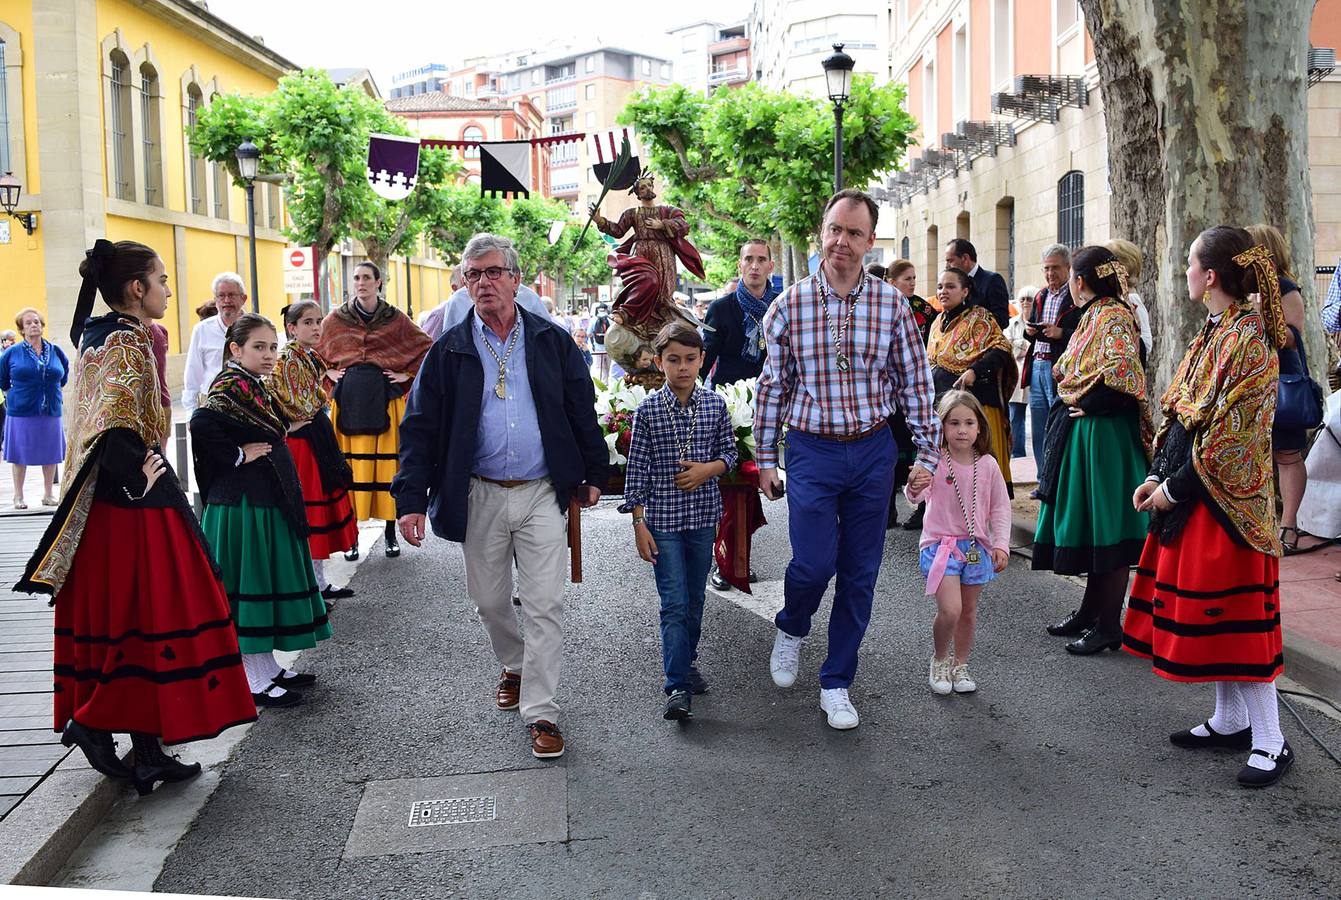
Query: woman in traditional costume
[(325, 476), (1096, 455), (968, 351), (903, 275), (143, 641), (254, 514), (1205, 604), (374, 351)]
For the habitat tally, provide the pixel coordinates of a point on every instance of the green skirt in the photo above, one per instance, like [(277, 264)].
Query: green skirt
[(267, 573), (1092, 527)]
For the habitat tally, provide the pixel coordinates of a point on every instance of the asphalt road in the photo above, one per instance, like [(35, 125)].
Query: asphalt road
[(1055, 779)]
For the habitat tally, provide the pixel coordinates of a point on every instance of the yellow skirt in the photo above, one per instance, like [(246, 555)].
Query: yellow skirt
[(375, 459), (998, 428)]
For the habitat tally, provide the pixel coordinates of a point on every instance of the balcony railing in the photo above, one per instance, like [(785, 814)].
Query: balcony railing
[(562, 188), (561, 79), (560, 99), (816, 44), (729, 45), (729, 76)]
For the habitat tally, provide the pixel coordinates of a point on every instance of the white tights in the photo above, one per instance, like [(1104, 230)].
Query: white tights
[(1242, 704)]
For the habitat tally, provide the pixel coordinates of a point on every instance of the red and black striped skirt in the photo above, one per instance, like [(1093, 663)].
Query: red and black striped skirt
[(330, 516), (144, 639), (1205, 607)]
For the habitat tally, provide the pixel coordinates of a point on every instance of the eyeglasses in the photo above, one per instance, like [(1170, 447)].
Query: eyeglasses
[(229, 296), (493, 273)]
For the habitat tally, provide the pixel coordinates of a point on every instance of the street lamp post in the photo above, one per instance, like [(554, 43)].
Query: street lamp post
[(838, 76), (10, 189), (248, 160)]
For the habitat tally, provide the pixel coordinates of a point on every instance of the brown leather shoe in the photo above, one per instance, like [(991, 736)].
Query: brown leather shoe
[(546, 739), (509, 690)]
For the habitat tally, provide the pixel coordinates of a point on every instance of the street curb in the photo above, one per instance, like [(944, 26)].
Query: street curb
[(43, 831), (1312, 664)]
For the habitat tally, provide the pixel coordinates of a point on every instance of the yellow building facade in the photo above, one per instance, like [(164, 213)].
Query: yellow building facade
[(98, 99)]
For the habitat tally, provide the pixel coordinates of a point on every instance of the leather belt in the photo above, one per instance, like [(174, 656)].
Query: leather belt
[(848, 438), (506, 484)]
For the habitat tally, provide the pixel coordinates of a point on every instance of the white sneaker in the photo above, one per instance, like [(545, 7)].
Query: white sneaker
[(962, 680), (842, 715), (939, 679), (786, 659)]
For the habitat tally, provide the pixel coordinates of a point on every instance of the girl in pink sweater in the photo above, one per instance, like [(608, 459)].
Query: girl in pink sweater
[(965, 535)]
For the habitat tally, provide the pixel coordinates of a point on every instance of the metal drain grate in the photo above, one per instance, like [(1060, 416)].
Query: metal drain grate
[(453, 811)]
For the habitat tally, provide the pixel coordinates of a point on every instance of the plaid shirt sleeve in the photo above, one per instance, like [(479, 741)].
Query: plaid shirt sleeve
[(779, 373), (911, 375), (1331, 307), (637, 473)]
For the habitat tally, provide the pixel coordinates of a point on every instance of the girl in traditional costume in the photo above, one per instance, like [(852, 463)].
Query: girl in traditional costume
[(968, 351), (1096, 454), (374, 351), (143, 641), (254, 514), (325, 476), (1205, 605)]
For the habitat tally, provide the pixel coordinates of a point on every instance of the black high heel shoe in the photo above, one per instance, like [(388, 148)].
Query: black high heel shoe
[(1074, 624), (153, 764), (1094, 641), (98, 748)]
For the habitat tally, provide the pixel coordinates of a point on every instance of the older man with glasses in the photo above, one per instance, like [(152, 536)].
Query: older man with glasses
[(204, 355), (501, 429)]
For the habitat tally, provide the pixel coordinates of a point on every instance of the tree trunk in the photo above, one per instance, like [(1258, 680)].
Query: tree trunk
[(1207, 121)]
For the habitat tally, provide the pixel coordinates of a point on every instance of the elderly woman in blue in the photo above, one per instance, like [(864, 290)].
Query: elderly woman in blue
[(32, 373)]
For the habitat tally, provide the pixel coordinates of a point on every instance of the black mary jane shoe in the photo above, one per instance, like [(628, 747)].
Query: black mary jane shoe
[(1074, 624), (334, 593), (1214, 740), (269, 697), (290, 680), (678, 707), (352, 553), (1092, 642), (153, 764), (1251, 777), (98, 747)]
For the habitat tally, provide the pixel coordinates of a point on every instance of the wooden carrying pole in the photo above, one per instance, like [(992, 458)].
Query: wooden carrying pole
[(575, 539)]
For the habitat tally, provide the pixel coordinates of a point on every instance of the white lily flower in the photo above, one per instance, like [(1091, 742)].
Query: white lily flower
[(616, 458)]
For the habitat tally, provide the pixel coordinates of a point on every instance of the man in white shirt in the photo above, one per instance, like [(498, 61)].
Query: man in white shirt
[(204, 355)]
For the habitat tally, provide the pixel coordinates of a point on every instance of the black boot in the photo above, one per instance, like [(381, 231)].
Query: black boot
[(153, 764), (392, 542), (1094, 641), (98, 747)]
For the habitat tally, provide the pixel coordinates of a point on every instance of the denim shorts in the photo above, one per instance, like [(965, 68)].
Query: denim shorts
[(980, 572)]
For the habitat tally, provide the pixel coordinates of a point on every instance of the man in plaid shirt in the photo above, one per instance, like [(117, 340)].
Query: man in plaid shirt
[(843, 354)]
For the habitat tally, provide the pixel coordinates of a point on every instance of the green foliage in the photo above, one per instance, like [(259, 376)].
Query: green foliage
[(228, 121), (753, 162)]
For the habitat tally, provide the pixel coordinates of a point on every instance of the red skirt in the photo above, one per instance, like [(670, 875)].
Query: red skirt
[(1211, 613), (144, 639), (330, 517)]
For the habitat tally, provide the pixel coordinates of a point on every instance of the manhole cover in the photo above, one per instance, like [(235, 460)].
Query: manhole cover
[(487, 809), (453, 811)]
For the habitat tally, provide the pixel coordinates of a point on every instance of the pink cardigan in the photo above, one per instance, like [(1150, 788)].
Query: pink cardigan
[(943, 524)]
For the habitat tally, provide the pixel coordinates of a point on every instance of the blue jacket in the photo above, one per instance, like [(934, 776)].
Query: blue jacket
[(31, 390), (442, 416)]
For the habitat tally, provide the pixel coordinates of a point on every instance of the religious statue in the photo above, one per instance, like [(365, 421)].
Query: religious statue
[(645, 264)]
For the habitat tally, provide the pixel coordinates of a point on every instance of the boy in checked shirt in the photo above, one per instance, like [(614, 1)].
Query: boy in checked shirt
[(682, 442)]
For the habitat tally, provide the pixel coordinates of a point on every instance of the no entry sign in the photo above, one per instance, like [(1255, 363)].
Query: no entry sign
[(299, 270)]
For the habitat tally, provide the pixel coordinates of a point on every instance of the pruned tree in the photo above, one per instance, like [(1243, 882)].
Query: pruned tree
[(1206, 113)]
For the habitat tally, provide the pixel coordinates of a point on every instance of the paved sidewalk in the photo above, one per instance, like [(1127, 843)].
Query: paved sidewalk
[(1309, 589)]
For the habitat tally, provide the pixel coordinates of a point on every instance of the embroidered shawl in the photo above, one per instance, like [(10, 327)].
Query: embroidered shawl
[(116, 386), (1224, 394), (956, 342), (389, 341), (239, 395), (295, 385), (1105, 350)]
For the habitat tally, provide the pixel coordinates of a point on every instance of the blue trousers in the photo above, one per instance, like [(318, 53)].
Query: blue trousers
[(683, 561), (837, 501), (1017, 416), (1042, 394)]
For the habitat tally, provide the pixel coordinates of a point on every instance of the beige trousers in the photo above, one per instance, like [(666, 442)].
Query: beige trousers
[(522, 523)]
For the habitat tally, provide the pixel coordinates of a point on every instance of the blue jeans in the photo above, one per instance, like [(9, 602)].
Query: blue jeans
[(683, 561), (1017, 415), (837, 500), (1042, 394)]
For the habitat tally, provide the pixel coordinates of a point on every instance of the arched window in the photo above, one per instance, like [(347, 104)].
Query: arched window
[(194, 101), (472, 133), (1071, 209), (121, 170), (903, 248), (151, 104)]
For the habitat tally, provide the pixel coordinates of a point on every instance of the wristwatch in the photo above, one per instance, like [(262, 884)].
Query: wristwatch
[(639, 520)]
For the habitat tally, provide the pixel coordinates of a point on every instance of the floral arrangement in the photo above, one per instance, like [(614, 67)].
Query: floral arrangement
[(617, 401)]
